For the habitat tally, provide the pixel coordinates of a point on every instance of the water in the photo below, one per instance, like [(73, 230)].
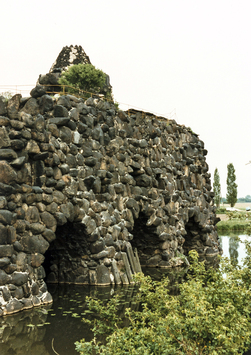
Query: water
[(59, 325), (233, 247)]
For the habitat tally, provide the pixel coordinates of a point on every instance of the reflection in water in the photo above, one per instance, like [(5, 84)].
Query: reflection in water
[(233, 247), (32, 331), (23, 333)]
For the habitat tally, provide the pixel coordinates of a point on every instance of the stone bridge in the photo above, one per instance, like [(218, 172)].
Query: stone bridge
[(90, 193)]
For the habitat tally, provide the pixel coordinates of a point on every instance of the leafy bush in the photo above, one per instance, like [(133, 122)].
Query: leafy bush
[(224, 226), (6, 95), (84, 77), (211, 315), (221, 210), (235, 215), (233, 225), (237, 221)]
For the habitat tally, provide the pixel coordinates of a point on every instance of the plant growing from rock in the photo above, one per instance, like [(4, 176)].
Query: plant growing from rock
[(211, 315), (6, 95), (84, 77)]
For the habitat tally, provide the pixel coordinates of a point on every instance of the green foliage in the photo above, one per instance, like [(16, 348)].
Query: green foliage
[(247, 198), (6, 95), (234, 226), (221, 210), (217, 188), (190, 130), (248, 229), (231, 185), (210, 316), (116, 104), (238, 215), (84, 77), (237, 221)]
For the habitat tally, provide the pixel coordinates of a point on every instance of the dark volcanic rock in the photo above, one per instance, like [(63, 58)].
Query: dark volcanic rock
[(34, 244), (89, 192), (60, 111), (38, 91), (68, 56), (7, 173), (103, 275), (13, 106), (31, 107)]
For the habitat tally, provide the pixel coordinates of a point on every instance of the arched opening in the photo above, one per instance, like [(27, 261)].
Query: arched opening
[(147, 242), (203, 239), (194, 237), (65, 259)]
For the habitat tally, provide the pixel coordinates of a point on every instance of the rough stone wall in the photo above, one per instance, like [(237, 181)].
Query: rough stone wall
[(80, 182), (69, 56)]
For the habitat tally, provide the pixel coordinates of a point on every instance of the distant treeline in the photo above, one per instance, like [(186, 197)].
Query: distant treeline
[(240, 199)]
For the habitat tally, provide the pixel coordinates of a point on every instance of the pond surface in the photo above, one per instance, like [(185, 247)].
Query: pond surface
[(233, 246), (59, 325)]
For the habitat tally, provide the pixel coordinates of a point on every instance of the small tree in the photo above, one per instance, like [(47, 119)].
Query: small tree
[(84, 77), (217, 188), (231, 185), (209, 316)]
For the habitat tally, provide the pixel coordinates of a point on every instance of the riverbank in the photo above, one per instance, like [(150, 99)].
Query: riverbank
[(236, 220)]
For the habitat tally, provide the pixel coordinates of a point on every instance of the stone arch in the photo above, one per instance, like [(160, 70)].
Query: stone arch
[(95, 181), (151, 246), (202, 238), (65, 259)]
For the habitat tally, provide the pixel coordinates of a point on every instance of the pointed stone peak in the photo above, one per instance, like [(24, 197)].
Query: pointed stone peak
[(68, 56)]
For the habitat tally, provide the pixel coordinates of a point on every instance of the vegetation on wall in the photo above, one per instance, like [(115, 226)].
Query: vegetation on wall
[(84, 77), (210, 316), (6, 95)]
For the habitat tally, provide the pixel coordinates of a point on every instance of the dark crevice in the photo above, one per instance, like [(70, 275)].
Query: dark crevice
[(63, 259), (194, 236), (145, 239)]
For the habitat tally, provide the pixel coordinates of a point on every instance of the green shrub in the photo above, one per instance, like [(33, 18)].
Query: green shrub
[(210, 316), (248, 229), (84, 77), (223, 226), (221, 210), (6, 95)]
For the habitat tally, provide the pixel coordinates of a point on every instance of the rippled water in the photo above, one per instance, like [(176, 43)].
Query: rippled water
[(58, 326)]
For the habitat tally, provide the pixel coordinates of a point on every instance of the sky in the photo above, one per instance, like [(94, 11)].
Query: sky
[(188, 57)]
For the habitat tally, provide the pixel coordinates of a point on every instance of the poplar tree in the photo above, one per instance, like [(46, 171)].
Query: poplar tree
[(231, 185), (217, 188)]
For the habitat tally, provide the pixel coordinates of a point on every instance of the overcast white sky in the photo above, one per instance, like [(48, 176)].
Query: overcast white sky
[(193, 56)]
